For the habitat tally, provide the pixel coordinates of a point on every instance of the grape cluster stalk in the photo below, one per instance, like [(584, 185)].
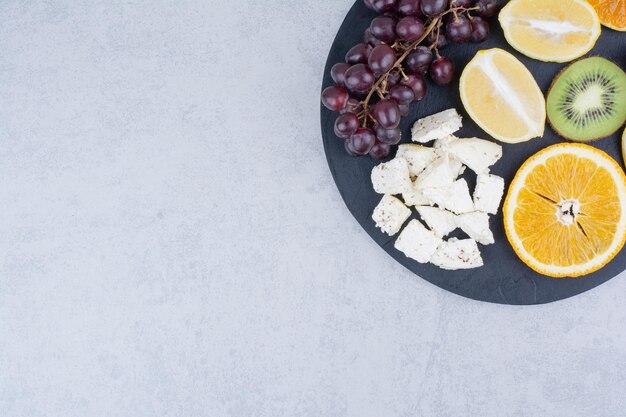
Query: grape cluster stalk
[(385, 73)]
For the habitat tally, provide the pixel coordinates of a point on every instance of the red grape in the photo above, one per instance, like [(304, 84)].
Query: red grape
[(349, 149), (402, 94), (380, 150), (371, 39), (404, 109), (393, 78), (409, 7), (346, 125), (442, 71), (432, 8), (359, 78), (383, 5), (368, 4), (358, 54), (338, 72), (417, 61), (387, 113), (417, 84), (441, 41), (384, 28), (389, 136), (409, 28), (480, 29), (459, 29), (487, 8), (381, 59), (353, 106), (335, 98), (362, 140)]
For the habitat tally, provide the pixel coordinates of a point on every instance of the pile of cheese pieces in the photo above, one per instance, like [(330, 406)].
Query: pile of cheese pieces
[(428, 179)]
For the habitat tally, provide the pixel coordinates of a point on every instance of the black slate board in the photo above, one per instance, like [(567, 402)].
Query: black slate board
[(504, 278)]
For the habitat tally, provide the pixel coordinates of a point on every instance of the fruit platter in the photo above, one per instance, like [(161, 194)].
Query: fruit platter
[(480, 143)]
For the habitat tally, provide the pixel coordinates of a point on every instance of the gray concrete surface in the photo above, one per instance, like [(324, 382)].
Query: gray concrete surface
[(172, 243)]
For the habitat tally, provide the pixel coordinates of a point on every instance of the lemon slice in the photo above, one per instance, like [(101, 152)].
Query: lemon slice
[(502, 97), (565, 212), (554, 30)]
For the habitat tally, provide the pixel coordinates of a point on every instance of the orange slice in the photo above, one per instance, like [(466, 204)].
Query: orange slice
[(553, 30), (612, 13), (502, 97), (565, 211)]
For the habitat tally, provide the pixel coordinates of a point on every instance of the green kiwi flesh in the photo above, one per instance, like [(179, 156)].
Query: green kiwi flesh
[(587, 100)]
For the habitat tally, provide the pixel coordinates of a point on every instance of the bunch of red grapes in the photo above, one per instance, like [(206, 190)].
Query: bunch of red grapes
[(398, 49)]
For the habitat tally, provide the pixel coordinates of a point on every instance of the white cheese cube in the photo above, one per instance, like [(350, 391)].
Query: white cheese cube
[(440, 221), (488, 193), (437, 174), (457, 254), (456, 198), (390, 214), (417, 242), (476, 225), (391, 177), (415, 197), (418, 157), (477, 154), (436, 126)]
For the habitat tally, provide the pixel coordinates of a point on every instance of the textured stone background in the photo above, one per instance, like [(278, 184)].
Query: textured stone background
[(172, 243)]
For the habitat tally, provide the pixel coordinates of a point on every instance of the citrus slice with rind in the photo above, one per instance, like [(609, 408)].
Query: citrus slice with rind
[(502, 97), (624, 146), (565, 211), (612, 13), (554, 31)]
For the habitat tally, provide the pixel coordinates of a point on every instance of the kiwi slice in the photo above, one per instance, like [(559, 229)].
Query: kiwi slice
[(587, 100)]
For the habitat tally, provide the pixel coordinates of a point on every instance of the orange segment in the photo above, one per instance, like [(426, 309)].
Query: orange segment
[(557, 31), (612, 13), (565, 212), (502, 97)]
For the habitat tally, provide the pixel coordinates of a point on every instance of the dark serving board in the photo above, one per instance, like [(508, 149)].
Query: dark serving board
[(504, 278)]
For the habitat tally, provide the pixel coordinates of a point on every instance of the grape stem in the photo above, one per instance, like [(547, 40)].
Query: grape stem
[(375, 87), (436, 43), (380, 85)]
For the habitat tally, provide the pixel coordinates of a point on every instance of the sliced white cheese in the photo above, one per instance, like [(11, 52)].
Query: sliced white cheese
[(456, 167), (437, 174), (440, 221), (391, 177), (441, 147), (390, 214), (476, 225), (455, 198), (477, 154), (417, 156), (442, 144), (457, 254), (415, 197), (417, 242), (436, 126), (488, 193)]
